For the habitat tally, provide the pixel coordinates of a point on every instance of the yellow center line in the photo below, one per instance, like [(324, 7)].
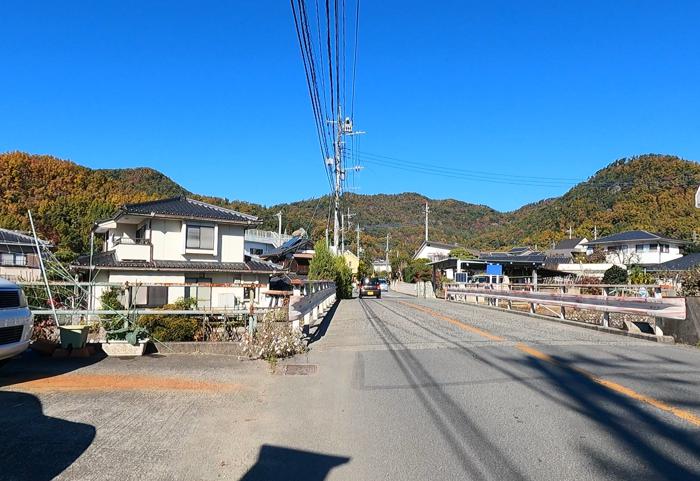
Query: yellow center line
[(531, 351), (457, 323)]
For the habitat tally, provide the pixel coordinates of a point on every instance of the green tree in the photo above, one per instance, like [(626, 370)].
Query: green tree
[(326, 266), (461, 253), (417, 270), (615, 275)]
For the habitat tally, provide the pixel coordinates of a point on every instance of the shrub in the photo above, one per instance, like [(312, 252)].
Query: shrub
[(615, 275), (272, 341), (637, 275), (690, 283), (596, 291), (110, 301), (173, 328)]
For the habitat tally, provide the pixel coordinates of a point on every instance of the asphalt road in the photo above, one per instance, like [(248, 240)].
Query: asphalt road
[(403, 389)]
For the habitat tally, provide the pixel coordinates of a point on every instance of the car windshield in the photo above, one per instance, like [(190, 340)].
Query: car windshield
[(370, 281)]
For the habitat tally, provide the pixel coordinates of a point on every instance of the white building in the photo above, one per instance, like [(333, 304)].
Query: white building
[(179, 241), (381, 265), (636, 247), (434, 251), (258, 242)]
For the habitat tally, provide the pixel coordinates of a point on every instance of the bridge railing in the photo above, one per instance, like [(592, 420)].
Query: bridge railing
[(314, 298), (642, 309)]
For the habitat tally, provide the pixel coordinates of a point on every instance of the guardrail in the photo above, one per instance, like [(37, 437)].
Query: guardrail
[(669, 307), (318, 297)]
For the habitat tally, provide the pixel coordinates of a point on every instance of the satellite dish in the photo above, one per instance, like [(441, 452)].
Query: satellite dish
[(697, 198)]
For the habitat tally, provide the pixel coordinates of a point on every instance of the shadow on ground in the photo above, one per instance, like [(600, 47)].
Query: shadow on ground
[(277, 463), (656, 447), (316, 333), (34, 446), (31, 366)]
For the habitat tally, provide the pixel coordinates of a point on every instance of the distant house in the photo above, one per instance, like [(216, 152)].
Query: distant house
[(258, 242), (352, 261), (637, 247), (434, 251), (680, 264), (572, 246), (178, 241), (381, 265), (294, 256), (19, 260)]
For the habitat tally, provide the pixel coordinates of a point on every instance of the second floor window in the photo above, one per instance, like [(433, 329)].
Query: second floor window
[(200, 237), (665, 248)]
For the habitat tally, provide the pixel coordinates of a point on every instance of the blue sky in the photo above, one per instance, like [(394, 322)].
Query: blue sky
[(213, 94)]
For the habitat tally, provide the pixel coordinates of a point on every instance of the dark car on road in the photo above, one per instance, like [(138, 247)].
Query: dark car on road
[(371, 287)]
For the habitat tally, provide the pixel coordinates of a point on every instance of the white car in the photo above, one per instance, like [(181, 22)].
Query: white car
[(16, 321)]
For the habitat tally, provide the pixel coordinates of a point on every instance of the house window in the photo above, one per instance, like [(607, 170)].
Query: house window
[(200, 237), (141, 234), (157, 296), (612, 248), (653, 247), (201, 293), (151, 296), (639, 248), (255, 251), (9, 259), (665, 248)]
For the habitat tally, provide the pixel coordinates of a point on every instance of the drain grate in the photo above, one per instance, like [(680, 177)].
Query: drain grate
[(300, 369)]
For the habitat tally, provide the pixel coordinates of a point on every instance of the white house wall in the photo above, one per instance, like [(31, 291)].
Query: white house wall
[(631, 256), (231, 240), (430, 252)]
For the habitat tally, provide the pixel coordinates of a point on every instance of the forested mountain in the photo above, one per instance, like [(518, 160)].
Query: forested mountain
[(653, 192)]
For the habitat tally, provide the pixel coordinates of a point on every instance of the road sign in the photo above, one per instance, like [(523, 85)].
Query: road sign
[(494, 269)]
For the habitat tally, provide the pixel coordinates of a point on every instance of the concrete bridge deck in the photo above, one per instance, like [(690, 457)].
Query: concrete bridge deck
[(399, 388)]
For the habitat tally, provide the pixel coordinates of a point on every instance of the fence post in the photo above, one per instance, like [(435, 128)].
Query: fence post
[(606, 319), (562, 309)]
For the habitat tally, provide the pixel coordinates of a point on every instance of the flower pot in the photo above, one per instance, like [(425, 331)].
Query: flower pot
[(73, 336), (123, 348)]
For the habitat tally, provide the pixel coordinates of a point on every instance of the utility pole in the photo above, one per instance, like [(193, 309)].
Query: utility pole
[(357, 247), (343, 128), (427, 210), (386, 253), (569, 232), (342, 228), (595, 232), (279, 227)]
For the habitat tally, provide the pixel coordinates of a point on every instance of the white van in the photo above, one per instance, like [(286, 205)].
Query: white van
[(15, 321)]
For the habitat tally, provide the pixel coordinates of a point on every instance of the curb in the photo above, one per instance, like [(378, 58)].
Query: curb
[(594, 327), (205, 347)]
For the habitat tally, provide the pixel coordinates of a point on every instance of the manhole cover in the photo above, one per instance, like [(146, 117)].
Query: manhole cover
[(300, 369)]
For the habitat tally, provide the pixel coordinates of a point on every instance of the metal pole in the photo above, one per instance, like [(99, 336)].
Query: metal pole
[(342, 233), (357, 247), (386, 253), (43, 269), (279, 227), (338, 185), (92, 267), (427, 210)]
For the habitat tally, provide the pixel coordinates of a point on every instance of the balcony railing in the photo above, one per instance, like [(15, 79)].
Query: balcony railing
[(131, 242), (266, 236)]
